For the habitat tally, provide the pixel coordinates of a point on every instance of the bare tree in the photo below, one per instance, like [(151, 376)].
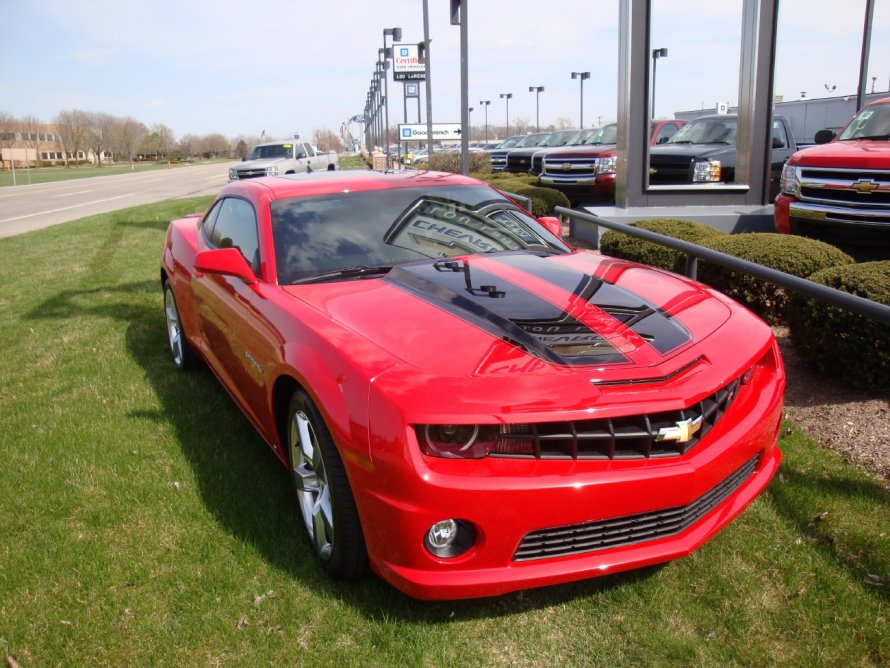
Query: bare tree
[(190, 146), (73, 126), (158, 142), (563, 123), (215, 146), (101, 129), (126, 136), (327, 141), (241, 149), (8, 125), (31, 126)]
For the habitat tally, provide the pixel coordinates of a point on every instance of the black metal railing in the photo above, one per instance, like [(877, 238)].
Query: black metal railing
[(694, 252)]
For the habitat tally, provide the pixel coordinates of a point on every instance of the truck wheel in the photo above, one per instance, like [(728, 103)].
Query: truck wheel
[(331, 168)]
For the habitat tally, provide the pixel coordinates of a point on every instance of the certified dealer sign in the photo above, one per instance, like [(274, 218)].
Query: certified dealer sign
[(406, 63), (418, 132)]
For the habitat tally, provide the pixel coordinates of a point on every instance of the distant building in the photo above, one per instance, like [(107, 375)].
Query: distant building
[(38, 148), (807, 116)]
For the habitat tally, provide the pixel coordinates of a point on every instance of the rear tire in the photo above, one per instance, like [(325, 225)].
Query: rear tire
[(181, 352), (324, 497)]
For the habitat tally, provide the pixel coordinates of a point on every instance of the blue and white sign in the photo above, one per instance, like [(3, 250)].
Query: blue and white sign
[(417, 132)]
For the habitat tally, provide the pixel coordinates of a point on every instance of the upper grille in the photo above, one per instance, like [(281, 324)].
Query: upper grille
[(576, 167), (836, 187), (251, 173), (630, 529), (632, 437)]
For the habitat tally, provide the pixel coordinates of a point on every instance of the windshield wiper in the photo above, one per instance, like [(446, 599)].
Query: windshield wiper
[(681, 141), (873, 137), (348, 272)]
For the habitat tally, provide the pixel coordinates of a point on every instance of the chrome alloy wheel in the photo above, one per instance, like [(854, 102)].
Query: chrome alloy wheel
[(311, 480), (174, 327)]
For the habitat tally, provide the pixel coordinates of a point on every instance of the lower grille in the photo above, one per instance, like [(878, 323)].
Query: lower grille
[(630, 529)]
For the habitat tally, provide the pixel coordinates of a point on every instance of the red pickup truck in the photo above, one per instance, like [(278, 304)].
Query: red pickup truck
[(839, 191), (589, 169)]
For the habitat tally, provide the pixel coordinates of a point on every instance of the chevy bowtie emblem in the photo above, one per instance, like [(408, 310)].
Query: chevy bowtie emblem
[(566, 166), (682, 432), (865, 186)]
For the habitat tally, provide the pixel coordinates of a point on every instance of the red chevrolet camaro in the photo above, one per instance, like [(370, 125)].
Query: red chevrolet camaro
[(466, 404)]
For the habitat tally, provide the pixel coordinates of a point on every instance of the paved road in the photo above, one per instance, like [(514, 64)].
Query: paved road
[(32, 207)]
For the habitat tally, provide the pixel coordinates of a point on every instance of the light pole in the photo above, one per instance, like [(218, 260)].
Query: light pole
[(507, 96), (582, 76), (485, 104), (656, 54), (537, 90), (396, 34)]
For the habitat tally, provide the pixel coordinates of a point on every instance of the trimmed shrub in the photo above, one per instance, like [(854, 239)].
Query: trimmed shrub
[(841, 343), (450, 162), (798, 256), (618, 244)]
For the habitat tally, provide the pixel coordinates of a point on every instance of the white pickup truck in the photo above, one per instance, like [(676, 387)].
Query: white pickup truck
[(279, 158)]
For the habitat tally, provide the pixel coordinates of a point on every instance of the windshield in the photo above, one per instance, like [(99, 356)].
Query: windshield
[(272, 151), (871, 123), (531, 140), (560, 138), (509, 142), (706, 131), (384, 228), (608, 134)]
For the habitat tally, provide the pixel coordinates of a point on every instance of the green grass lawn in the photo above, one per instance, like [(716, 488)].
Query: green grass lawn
[(51, 174), (144, 523)]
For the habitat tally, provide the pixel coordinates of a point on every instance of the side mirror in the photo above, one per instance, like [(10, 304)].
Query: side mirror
[(662, 140), (225, 261), (552, 225), (778, 143), (824, 136), (244, 159)]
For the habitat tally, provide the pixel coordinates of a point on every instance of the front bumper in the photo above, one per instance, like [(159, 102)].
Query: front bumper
[(832, 223), (506, 500)]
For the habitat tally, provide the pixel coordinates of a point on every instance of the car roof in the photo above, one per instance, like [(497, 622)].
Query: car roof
[(325, 183)]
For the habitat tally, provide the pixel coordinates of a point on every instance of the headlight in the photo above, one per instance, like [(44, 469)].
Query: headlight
[(456, 441), (272, 170), (790, 183), (706, 172), (606, 165), (473, 441), (233, 174)]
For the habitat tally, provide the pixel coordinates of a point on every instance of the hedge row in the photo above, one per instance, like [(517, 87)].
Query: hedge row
[(852, 347), (544, 200)]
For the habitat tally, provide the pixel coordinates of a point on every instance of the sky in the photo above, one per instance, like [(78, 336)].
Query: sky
[(238, 68)]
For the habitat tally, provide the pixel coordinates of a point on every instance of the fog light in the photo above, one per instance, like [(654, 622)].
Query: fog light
[(449, 538), (442, 534)]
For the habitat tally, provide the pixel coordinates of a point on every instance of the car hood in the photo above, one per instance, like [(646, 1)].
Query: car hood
[(510, 313), (858, 153), (260, 163), (701, 151), (594, 150)]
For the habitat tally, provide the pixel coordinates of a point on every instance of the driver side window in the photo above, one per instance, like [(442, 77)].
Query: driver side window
[(235, 227)]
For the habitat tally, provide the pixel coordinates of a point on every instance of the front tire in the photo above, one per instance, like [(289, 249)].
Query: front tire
[(323, 494), (180, 350)]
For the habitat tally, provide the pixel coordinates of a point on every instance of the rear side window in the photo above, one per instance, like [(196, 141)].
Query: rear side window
[(234, 226)]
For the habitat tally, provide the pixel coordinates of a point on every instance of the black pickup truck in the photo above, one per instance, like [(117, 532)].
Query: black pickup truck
[(704, 151)]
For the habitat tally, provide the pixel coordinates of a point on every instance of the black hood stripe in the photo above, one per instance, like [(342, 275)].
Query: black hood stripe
[(507, 311), (662, 331)]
